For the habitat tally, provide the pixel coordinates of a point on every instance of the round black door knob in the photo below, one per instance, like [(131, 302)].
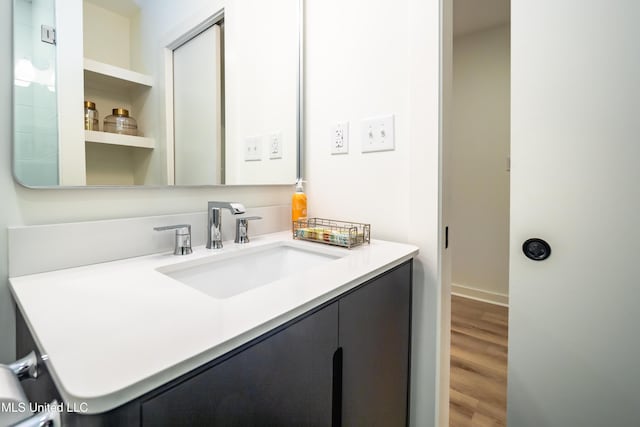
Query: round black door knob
[(536, 249)]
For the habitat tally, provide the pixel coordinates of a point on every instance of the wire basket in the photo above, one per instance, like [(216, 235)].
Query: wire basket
[(332, 232)]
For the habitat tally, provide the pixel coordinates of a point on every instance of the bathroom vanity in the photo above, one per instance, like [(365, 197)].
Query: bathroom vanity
[(323, 339), (271, 332)]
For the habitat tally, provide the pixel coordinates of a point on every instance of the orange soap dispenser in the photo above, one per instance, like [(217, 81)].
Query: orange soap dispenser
[(298, 203)]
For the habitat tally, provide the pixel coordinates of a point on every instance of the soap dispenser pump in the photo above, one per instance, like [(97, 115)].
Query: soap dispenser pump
[(298, 203)]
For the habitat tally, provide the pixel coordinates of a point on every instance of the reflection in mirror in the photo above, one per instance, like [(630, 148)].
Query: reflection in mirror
[(209, 90), (197, 100), (35, 114)]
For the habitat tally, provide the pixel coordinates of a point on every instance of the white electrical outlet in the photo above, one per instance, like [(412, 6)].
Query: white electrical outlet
[(340, 138), (378, 134), (252, 149), (275, 145)]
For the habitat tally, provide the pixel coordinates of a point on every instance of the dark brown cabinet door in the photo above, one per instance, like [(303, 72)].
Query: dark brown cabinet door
[(374, 336), (284, 380)]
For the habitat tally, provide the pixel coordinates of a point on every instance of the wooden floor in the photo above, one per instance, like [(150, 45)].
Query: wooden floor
[(478, 390)]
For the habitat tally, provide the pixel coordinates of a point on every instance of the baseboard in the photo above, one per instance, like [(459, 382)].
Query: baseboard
[(480, 295)]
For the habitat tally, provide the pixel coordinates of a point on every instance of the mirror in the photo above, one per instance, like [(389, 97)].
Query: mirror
[(156, 92)]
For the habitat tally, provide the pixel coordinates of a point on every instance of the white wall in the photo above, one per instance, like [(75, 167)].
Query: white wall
[(110, 164), (261, 69), (365, 58), (479, 233), (21, 206), (107, 36)]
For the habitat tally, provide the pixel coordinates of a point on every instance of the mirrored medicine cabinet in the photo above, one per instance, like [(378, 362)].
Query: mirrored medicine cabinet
[(214, 88)]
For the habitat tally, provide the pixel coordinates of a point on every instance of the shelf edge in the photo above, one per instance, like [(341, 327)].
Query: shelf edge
[(117, 139), (118, 73)]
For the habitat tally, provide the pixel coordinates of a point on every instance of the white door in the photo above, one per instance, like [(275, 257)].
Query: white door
[(574, 327), (197, 93)]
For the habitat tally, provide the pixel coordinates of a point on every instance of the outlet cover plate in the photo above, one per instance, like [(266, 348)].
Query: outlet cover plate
[(340, 138), (274, 145)]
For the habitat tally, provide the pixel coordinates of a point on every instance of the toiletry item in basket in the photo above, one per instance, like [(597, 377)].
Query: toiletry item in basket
[(298, 203), (334, 237)]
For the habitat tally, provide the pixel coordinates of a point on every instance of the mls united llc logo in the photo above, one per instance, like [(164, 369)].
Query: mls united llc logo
[(39, 407)]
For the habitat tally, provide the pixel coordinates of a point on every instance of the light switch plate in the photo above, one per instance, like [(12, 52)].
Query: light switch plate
[(340, 138), (252, 149), (274, 145), (378, 134)]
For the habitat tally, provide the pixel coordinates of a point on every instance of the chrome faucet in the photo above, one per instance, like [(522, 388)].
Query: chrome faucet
[(214, 224)]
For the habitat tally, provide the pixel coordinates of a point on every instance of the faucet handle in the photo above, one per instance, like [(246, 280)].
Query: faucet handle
[(180, 228), (183, 238), (27, 367), (242, 228)]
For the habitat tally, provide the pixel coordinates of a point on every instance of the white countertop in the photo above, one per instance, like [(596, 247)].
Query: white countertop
[(117, 330)]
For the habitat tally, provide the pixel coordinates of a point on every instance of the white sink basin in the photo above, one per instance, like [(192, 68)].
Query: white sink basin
[(231, 274)]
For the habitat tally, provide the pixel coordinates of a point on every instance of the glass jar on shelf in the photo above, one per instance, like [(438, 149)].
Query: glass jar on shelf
[(120, 122), (91, 117)]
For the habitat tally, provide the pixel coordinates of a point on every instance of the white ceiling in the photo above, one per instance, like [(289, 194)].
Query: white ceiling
[(475, 15), (121, 7)]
